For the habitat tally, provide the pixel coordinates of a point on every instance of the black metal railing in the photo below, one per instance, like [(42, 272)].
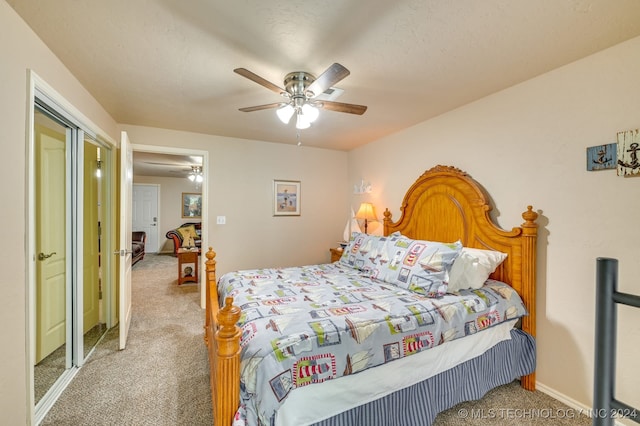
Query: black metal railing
[(606, 408)]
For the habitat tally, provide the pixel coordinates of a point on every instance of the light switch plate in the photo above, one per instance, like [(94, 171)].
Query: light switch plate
[(221, 220)]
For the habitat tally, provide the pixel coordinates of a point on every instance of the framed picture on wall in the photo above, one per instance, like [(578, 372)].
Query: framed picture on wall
[(191, 205), (286, 198)]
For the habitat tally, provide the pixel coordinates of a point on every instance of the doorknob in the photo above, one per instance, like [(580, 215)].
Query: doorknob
[(42, 256)]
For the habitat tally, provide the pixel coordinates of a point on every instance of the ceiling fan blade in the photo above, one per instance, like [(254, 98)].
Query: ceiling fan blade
[(342, 107), (261, 81), (261, 107), (331, 76)]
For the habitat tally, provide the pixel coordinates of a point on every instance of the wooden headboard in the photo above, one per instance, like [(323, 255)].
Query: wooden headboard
[(446, 204)]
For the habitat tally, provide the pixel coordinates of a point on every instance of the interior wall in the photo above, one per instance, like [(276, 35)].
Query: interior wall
[(527, 145), (22, 50), (240, 176), (170, 201)]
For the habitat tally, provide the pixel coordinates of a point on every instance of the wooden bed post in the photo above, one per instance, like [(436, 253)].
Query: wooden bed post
[(210, 271), (227, 380), (222, 337), (530, 234)]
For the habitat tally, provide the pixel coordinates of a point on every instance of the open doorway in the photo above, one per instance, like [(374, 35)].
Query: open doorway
[(173, 174)]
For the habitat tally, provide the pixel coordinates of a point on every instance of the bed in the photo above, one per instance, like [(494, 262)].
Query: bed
[(444, 205)]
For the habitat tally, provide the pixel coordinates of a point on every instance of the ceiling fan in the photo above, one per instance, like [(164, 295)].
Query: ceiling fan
[(301, 93)]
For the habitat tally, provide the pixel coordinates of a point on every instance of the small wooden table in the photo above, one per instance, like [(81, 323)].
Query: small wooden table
[(186, 272), (336, 254)]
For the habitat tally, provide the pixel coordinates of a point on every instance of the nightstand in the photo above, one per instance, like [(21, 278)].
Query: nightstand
[(188, 273), (336, 254)]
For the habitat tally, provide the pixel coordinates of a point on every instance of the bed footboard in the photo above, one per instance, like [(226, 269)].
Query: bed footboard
[(222, 337)]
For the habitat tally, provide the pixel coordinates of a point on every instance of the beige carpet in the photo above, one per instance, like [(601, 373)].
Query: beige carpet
[(47, 371), (162, 377), (512, 405)]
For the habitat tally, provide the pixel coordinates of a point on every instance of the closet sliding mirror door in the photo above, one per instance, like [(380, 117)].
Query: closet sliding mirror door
[(93, 310), (72, 294), (52, 287)]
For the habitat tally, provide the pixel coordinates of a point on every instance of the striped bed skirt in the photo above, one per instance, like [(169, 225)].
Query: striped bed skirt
[(420, 404)]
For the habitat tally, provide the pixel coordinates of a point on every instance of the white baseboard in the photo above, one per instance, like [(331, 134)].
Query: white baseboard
[(578, 406)]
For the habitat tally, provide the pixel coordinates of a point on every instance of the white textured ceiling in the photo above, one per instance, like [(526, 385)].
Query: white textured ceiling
[(169, 63)]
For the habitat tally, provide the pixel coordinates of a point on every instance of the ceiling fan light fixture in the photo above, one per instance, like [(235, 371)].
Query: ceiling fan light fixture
[(302, 122), (310, 112), (285, 113), (305, 95), (196, 174)]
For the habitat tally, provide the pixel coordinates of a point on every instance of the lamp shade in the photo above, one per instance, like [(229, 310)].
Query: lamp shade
[(302, 122), (285, 113), (366, 211), (310, 112)]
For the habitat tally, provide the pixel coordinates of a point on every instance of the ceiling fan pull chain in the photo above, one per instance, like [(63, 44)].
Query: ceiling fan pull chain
[(298, 138)]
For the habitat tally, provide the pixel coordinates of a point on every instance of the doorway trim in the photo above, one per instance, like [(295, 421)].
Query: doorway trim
[(205, 196)]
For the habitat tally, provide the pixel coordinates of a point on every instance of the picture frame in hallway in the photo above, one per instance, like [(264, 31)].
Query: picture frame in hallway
[(191, 205), (286, 197)]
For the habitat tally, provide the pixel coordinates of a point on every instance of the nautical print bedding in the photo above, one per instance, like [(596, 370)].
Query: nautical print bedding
[(315, 323)]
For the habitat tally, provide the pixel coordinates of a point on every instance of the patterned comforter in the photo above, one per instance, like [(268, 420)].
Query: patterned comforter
[(315, 323)]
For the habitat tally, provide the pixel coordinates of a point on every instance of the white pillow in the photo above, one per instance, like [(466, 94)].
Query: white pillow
[(472, 268)]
